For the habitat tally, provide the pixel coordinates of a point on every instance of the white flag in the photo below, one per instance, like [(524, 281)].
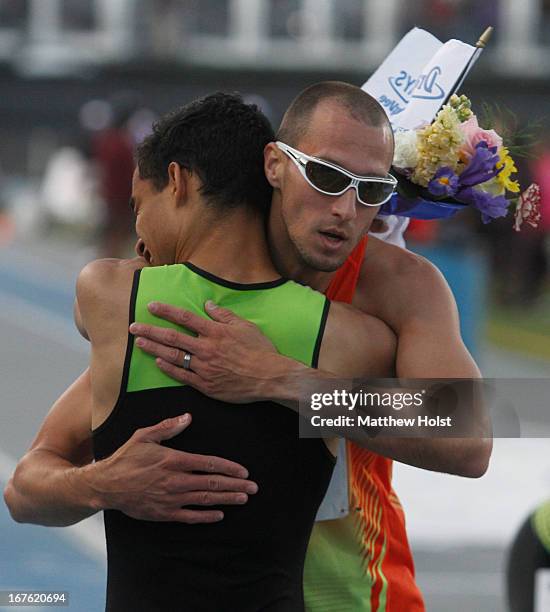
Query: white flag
[(417, 77)]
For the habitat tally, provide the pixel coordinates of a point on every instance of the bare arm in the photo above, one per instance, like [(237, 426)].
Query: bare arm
[(56, 483), (44, 488), (232, 361), (429, 346)]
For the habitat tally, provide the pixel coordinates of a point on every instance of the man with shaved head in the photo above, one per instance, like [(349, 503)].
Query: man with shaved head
[(328, 170), (317, 235), (297, 119)]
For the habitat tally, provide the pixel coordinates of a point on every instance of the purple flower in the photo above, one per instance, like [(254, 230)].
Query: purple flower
[(444, 183), (482, 166), (490, 206)]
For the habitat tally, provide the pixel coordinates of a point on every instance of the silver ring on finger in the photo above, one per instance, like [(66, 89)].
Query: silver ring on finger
[(187, 361)]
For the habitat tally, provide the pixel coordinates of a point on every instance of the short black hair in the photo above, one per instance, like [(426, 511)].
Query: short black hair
[(221, 139), (358, 103)]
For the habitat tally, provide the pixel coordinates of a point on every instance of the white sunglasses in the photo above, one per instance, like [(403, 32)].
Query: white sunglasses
[(331, 179)]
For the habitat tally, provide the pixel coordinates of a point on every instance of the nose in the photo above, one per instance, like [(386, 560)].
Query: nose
[(345, 205)]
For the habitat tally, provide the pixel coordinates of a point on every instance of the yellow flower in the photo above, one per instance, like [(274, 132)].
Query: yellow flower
[(508, 168), (438, 146)]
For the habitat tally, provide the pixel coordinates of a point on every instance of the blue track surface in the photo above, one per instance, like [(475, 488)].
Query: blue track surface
[(42, 558), (38, 558)]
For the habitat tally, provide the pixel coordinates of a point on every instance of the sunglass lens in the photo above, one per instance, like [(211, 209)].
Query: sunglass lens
[(326, 178), (374, 193)]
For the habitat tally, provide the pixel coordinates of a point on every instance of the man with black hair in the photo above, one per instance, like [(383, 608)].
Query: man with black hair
[(399, 287), (200, 196), (334, 149)]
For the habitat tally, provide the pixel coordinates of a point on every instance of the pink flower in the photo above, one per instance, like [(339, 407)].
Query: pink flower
[(527, 210), (473, 135)]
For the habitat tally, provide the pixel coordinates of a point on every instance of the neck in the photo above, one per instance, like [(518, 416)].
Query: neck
[(232, 246), (288, 260), (291, 266)]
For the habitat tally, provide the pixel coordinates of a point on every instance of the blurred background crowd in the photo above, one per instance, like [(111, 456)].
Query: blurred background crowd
[(81, 82)]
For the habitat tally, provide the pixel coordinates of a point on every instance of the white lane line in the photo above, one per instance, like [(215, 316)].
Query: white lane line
[(41, 322)]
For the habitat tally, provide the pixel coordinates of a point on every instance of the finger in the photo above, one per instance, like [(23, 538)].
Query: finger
[(166, 353), (166, 429), (213, 498), (211, 465), (185, 318), (209, 482), (167, 336), (222, 315), (188, 377), (193, 517)]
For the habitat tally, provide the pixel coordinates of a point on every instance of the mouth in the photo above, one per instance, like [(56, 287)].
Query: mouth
[(334, 238)]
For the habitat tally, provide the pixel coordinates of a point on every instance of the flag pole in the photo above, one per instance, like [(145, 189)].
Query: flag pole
[(480, 45)]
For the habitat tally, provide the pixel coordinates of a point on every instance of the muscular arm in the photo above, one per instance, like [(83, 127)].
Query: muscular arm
[(414, 298), (236, 364), (50, 485), (412, 295), (417, 302), (57, 484)]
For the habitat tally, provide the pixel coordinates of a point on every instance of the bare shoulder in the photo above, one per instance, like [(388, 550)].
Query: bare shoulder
[(397, 286), (356, 344), (390, 262), (103, 291), (99, 275)]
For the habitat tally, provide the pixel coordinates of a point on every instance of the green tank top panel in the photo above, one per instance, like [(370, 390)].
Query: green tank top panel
[(541, 524), (291, 315)]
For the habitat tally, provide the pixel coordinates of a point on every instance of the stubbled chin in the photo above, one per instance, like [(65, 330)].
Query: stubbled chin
[(325, 263)]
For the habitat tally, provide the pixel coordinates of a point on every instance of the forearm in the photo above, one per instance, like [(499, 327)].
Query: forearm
[(295, 383), (468, 457), (292, 383), (261, 375), (49, 490)]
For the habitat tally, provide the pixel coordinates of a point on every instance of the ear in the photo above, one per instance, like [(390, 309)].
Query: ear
[(378, 226), (178, 179), (273, 164)]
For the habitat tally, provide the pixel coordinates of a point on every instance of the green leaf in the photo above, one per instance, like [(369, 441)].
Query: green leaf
[(519, 139)]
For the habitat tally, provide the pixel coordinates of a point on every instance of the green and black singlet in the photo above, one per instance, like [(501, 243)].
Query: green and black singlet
[(253, 559)]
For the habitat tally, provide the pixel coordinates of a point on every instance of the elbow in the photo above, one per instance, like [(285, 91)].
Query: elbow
[(10, 499), (477, 457), (15, 495)]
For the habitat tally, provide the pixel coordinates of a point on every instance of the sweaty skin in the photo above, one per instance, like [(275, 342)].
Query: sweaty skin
[(56, 484), (401, 288), (354, 345), (429, 345)]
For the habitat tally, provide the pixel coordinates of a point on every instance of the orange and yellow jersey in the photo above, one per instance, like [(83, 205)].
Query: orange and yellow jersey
[(362, 562)]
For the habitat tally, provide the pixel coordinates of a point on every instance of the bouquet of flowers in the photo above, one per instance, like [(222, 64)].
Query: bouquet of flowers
[(453, 163)]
